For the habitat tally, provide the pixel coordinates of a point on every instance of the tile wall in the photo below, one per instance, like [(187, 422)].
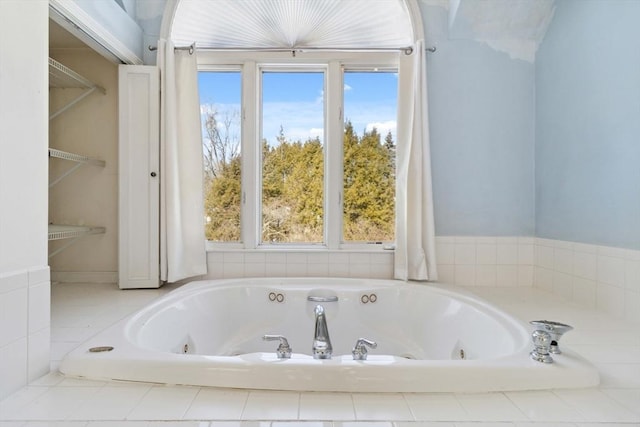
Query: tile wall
[(233, 264), (25, 300), (486, 261), (600, 277), (465, 261)]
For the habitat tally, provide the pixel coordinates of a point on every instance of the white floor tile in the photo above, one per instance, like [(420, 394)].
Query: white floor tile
[(177, 424), (381, 406), (596, 406), (607, 424), (254, 424), (318, 406), (364, 424), (548, 424), (301, 424), (490, 407), (484, 424), (110, 403), (217, 404), (271, 405), (118, 424), (436, 407), (543, 406), (20, 399), (57, 403), (164, 403), (423, 424), (629, 398), (56, 424)]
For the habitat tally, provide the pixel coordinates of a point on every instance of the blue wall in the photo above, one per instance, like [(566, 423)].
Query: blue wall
[(588, 124), (481, 114)]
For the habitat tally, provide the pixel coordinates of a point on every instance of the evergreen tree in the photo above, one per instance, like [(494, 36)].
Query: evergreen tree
[(293, 187)]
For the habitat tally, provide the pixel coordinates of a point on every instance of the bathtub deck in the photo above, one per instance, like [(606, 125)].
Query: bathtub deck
[(81, 310)]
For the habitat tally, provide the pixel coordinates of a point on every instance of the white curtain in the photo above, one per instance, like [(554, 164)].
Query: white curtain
[(182, 241), (415, 230)]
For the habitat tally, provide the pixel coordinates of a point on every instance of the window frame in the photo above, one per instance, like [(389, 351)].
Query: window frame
[(251, 64)]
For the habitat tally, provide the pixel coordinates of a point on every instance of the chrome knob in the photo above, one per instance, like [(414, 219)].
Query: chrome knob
[(360, 349), (284, 350), (542, 344), (555, 329)]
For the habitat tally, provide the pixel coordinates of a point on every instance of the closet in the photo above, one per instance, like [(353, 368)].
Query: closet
[(62, 77)]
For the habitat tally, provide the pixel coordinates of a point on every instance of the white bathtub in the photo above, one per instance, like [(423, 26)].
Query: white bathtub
[(431, 338)]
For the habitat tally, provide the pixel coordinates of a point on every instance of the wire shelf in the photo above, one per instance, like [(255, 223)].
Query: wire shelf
[(61, 77), (58, 232), (59, 154)]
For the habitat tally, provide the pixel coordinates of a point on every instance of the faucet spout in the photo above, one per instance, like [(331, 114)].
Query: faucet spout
[(322, 348)]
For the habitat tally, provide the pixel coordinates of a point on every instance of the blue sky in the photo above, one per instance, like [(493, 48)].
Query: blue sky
[(294, 100)]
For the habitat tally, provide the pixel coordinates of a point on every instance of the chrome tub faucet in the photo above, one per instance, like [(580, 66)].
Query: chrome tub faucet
[(322, 348)]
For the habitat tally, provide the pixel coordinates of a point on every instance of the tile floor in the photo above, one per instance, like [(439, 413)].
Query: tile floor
[(80, 310)]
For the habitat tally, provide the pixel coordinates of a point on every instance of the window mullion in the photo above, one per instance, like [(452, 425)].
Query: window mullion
[(333, 163), (250, 149)]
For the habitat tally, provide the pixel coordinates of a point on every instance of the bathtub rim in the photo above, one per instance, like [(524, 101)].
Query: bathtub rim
[(569, 371)]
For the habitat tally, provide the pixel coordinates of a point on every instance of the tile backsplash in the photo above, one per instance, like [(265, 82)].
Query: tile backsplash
[(485, 261), (600, 277), (367, 264)]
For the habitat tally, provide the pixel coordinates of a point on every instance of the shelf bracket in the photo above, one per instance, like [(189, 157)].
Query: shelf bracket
[(63, 247), (63, 77), (81, 160), (64, 175), (71, 103)]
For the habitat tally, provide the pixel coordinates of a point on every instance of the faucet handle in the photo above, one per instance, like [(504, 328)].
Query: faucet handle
[(284, 350), (360, 349), (542, 344)]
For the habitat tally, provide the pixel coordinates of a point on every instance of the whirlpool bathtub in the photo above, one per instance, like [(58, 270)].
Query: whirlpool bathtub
[(430, 338)]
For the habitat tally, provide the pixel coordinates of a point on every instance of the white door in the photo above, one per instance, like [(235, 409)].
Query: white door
[(139, 181)]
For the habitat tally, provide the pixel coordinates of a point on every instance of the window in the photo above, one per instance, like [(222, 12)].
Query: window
[(292, 157), (369, 156), (220, 93), (299, 151)]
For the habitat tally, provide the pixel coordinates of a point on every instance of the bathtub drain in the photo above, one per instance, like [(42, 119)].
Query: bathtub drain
[(462, 354), (185, 349), (100, 349)]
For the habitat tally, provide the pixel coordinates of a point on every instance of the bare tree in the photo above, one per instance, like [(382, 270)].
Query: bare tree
[(222, 139)]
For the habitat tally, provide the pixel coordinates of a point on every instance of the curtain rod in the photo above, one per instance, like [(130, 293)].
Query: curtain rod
[(191, 49)]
